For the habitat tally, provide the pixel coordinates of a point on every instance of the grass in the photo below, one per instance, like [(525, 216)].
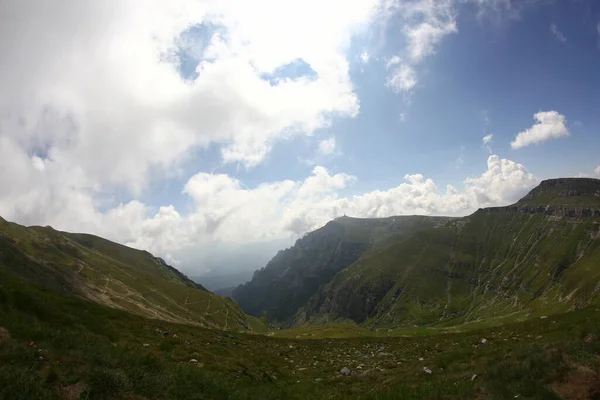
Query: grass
[(100, 353), (115, 275)]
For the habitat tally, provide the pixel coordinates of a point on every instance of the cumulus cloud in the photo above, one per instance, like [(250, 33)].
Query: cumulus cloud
[(99, 85), (550, 125), (597, 170), (505, 181), (557, 34)]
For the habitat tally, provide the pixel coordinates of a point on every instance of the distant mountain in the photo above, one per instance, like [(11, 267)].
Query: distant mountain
[(289, 280), (225, 292), (114, 275), (538, 256), (215, 281)]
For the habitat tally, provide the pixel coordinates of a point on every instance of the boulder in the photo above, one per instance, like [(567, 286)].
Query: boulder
[(345, 371)]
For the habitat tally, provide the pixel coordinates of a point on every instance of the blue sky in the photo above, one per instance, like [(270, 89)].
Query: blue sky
[(489, 77), (196, 129)]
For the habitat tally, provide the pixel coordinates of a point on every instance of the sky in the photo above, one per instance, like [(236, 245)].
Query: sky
[(215, 132)]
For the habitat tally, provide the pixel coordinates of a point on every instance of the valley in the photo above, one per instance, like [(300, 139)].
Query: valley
[(500, 304)]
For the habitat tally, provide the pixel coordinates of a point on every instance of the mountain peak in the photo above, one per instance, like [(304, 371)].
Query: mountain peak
[(582, 192)]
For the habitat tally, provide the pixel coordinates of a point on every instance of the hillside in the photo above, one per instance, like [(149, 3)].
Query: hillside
[(537, 257), (114, 275), (286, 283), (59, 347)]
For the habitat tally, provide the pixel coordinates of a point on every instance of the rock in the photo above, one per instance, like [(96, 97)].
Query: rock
[(483, 341), (175, 336), (427, 371), (473, 377), (345, 371), (543, 317), (319, 380), (588, 339), (193, 361), (4, 335), (382, 348), (146, 345)]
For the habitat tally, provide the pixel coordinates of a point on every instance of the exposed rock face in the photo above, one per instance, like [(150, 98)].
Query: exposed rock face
[(558, 211), (287, 282), (565, 191)]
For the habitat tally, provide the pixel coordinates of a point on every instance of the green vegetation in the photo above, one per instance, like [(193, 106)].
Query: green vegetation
[(93, 352), (501, 304), (495, 266), (114, 275), (288, 281)]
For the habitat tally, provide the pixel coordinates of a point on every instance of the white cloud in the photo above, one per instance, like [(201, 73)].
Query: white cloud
[(550, 125), (435, 20), (487, 141), (98, 86), (426, 23), (365, 57), (225, 212), (505, 181), (403, 77), (327, 147), (557, 34), (597, 170)]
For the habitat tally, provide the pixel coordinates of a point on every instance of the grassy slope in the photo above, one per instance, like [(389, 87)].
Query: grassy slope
[(489, 265), (99, 353), (294, 275), (114, 275)]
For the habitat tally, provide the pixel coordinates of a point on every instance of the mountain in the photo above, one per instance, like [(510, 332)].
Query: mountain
[(538, 256), (225, 292), (215, 281), (289, 280), (110, 274)]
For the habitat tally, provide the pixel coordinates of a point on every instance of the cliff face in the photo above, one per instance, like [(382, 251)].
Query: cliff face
[(286, 283), (526, 258), (558, 211), (576, 192)]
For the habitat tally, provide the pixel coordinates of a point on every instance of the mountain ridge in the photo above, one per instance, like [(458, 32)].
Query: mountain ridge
[(293, 275), (516, 260), (115, 275)]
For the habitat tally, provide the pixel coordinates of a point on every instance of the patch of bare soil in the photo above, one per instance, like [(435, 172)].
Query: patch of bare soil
[(581, 384)]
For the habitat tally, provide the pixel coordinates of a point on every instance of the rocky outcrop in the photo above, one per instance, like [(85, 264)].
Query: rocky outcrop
[(559, 211)]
